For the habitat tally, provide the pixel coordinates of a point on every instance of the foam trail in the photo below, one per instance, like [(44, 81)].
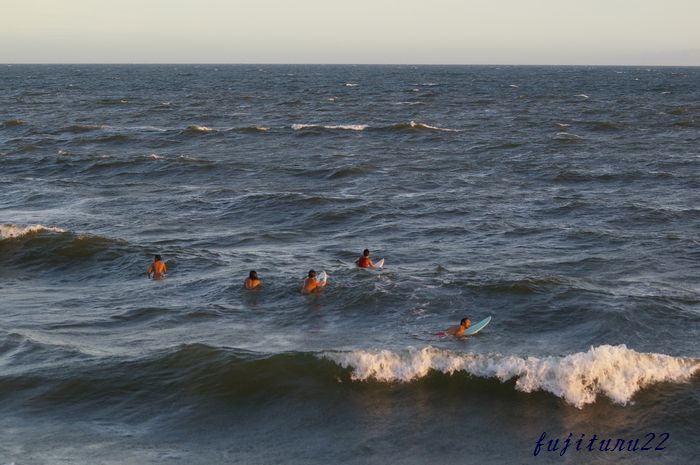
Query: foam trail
[(419, 126), (8, 231), (347, 127), (614, 371)]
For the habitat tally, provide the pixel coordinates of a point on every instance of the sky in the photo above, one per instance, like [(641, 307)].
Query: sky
[(565, 32)]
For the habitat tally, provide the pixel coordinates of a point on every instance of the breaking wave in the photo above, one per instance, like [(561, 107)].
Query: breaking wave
[(13, 231), (614, 371)]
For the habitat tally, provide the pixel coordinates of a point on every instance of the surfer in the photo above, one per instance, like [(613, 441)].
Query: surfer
[(252, 281), (157, 269), (311, 283), (458, 331), (364, 261)]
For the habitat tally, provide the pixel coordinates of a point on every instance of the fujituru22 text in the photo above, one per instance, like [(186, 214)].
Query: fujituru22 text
[(592, 444)]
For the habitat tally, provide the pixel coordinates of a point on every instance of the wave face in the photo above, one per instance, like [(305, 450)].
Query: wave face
[(614, 371), (38, 250)]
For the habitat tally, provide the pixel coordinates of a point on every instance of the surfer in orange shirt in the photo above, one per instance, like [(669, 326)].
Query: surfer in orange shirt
[(252, 281), (458, 331), (157, 269), (312, 284), (364, 261)]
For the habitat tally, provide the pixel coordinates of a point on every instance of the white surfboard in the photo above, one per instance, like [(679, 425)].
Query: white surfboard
[(322, 277), (379, 265)]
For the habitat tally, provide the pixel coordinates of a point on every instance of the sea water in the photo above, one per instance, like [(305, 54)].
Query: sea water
[(562, 201)]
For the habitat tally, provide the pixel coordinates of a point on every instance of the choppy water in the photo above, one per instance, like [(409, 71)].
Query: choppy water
[(563, 202)]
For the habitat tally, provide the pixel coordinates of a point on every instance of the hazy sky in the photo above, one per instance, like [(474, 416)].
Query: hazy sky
[(664, 32)]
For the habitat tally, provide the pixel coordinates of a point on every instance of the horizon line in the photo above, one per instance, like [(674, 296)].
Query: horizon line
[(633, 65)]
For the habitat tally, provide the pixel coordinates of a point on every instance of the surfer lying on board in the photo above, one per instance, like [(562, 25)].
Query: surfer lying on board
[(458, 331), (364, 261), (157, 269), (252, 281), (311, 283)]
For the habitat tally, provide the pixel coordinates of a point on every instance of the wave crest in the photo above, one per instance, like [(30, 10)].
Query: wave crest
[(614, 371), (199, 129), (345, 127), (422, 126), (13, 231)]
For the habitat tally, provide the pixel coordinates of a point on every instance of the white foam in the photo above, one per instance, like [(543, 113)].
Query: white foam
[(8, 231), (350, 84), (614, 371), (567, 136), (582, 96), (200, 128), (413, 124), (348, 127)]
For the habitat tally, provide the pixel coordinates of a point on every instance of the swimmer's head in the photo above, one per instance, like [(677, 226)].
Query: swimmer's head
[(366, 253), (312, 274), (157, 258), (464, 321), (253, 274)]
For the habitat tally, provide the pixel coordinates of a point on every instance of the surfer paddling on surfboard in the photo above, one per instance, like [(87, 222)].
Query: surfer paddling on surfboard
[(364, 261), (465, 328), (457, 331), (312, 284)]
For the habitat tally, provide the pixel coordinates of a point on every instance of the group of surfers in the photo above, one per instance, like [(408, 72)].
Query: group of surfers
[(158, 270)]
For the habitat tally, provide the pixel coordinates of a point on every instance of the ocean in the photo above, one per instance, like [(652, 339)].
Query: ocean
[(564, 202)]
